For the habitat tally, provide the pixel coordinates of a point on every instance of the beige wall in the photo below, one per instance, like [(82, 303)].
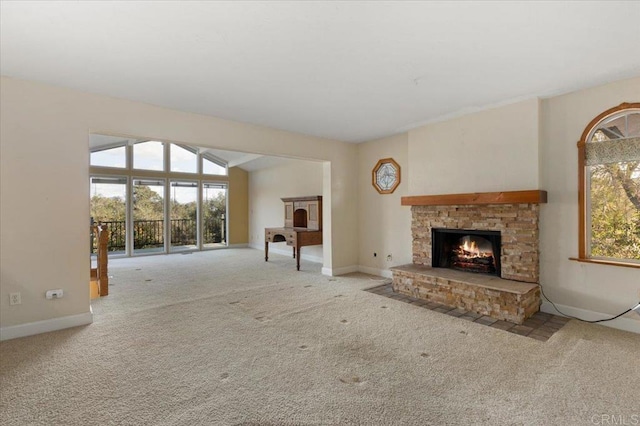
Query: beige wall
[(599, 288), (491, 150), (266, 210), (527, 145), (238, 206), (44, 171), (384, 225)]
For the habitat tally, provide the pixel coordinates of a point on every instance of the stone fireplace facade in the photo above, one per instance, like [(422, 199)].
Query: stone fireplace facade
[(468, 250), (512, 293), (517, 224)]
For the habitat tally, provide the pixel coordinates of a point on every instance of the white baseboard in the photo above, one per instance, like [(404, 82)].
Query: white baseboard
[(375, 271), (332, 272), (357, 268), (289, 253), (622, 323), (243, 245), (37, 327)]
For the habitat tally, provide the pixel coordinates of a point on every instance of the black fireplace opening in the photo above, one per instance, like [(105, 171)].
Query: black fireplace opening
[(466, 250)]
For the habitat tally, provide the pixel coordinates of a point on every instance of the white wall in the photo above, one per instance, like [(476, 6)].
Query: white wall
[(591, 287), (384, 225), (491, 150), (295, 178), (44, 172)]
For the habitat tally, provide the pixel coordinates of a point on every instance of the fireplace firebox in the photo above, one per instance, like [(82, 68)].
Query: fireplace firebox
[(466, 250)]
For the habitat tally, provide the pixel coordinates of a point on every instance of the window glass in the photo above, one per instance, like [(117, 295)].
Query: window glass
[(184, 215), (633, 125), (109, 207), (214, 208), (613, 188), (209, 167), (148, 215), (615, 211), (157, 211), (183, 160), (113, 157), (148, 155)]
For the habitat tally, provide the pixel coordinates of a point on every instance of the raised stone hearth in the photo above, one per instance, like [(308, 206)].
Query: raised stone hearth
[(514, 295), (483, 294)]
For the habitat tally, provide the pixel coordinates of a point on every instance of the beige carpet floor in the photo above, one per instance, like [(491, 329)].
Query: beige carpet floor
[(222, 337)]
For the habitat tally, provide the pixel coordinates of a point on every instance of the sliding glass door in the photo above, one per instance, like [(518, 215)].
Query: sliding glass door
[(109, 208), (148, 216), (184, 216), (214, 207)]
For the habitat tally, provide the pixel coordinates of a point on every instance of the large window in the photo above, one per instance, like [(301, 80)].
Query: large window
[(610, 187), (157, 197)]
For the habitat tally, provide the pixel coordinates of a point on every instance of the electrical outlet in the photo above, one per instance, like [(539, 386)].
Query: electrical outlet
[(54, 294), (389, 258), (15, 299)]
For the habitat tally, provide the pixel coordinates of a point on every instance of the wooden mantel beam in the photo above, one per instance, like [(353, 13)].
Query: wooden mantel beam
[(509, 197)]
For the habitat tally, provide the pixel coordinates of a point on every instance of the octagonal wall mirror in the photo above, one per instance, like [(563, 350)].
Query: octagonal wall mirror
[(385, 176)]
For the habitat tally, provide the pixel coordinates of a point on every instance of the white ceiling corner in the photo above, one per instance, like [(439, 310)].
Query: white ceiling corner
[(243, 160)]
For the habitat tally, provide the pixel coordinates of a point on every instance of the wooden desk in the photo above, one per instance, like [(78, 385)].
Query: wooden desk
[(295, 237)]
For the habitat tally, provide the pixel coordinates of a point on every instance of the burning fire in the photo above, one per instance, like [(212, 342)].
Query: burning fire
[(469, 249), (475, 255)]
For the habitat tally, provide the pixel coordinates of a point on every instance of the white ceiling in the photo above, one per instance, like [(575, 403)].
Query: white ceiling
[(252, 162), (351, 71)]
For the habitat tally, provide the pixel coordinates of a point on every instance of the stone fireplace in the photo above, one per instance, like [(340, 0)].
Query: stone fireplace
[(478, 252)]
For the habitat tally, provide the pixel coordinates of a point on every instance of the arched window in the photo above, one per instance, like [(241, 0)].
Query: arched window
[(609, 192)]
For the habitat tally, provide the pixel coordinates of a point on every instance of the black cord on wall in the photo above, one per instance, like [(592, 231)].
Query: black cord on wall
[(580, 319)]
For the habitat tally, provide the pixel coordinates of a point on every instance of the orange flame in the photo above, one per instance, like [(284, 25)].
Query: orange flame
[(471, 248)]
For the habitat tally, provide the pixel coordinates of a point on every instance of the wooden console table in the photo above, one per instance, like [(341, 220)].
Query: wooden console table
[(302, 226), (296, 237)]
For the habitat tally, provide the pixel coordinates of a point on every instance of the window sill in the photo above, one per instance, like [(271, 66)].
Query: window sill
[(607, 262)]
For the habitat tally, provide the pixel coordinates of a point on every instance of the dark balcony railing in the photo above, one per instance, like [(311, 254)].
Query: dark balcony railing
[(117, 237), (213, 230), (183, 232), (150, 233)]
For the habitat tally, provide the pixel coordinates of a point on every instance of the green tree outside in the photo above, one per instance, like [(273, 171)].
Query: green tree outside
[(615, 210), (149, 206)]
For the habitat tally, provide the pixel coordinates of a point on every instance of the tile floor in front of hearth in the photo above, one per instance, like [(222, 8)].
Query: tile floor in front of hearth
[(540, 326)]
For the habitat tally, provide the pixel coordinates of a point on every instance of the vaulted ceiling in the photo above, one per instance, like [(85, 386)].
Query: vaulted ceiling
[(350, 71)]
